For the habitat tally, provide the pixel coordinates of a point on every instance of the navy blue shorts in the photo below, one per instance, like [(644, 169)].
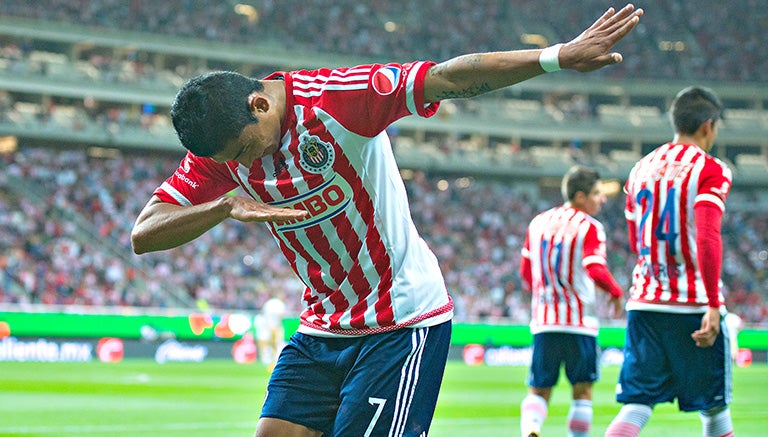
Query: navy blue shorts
[(578, 352), (662, 362), (382, 384)]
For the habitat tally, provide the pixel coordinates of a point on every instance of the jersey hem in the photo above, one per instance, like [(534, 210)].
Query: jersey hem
[(432, 318), (592, 332), (680, 308)]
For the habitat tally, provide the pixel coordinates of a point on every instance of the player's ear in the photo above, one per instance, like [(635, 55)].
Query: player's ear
[(706, 127), (579, 198), (258, 103)]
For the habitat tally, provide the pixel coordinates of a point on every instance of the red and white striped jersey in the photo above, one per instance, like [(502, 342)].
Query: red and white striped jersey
[(559, 244), (662, 189), (365, 267)]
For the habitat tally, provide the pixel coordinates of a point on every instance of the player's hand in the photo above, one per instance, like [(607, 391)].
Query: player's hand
[(591, 50), (710, 328), (246, 209)]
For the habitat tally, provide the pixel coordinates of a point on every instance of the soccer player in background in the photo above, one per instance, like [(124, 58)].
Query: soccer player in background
[(270, 334), (563, 259), (734, 323), (310, 150), (676, 346)]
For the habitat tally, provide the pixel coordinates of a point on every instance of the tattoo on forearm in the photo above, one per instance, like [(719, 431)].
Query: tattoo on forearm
[(437, 70), (471, 62), (470, 91)]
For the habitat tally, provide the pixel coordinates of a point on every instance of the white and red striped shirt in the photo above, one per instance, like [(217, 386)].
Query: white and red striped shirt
[(559, 245), (662, 190), (365, 267)]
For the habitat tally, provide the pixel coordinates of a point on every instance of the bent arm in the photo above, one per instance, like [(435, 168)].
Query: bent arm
[(525, 262), (162, 225), (525, 272), (604, 279), (474, 74), (632, 234), (709, 254), (709, 249)]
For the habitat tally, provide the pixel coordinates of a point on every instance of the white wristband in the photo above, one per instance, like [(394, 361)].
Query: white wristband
[(549, 58)]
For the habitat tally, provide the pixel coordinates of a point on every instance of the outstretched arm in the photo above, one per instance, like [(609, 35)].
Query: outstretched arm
[(163, 225), (474, 74)]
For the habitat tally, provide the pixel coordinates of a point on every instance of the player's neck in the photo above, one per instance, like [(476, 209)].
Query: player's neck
[(691, 139), (574, 205), (276, 90)]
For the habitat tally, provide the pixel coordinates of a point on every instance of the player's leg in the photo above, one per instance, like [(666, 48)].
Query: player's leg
[(583, 370), (392, 386), (533, 410), (275, 345), (269, 427), (630, 420), (716, 422), (580, 412), (645, 378), (262, 339), (303, 392), (544, 372), (706, 386)]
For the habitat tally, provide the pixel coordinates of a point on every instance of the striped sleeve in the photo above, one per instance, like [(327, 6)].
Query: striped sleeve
[(368, 98), (714, 184)]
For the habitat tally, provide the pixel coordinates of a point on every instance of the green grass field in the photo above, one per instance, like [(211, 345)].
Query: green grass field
[(221, 398)]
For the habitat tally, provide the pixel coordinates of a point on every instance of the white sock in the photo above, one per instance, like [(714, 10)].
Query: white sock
[(579, 418), (717, 422), (630, 420), (533, 411)]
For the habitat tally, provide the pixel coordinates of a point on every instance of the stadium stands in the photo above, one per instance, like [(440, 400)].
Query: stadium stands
[(474, 226), (678, 30), (87, 100), (128, 79)]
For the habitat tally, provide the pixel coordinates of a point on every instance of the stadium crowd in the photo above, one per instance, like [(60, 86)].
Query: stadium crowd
[(680, 40), (475, 227)]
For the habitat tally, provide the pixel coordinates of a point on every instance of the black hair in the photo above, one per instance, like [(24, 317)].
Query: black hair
[(692, 107), (576, 179), (212, 109)]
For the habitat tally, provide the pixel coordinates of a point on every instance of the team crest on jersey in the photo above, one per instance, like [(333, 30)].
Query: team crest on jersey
[(386, 79), (316, 155)]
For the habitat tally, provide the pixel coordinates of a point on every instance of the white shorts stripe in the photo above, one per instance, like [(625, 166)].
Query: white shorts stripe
[(409, 378)]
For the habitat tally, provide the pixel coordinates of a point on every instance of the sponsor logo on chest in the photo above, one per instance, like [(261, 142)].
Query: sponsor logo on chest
[(323, 203)]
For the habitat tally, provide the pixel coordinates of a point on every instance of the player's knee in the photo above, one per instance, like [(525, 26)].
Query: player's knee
[(713, 411), (582, 390)]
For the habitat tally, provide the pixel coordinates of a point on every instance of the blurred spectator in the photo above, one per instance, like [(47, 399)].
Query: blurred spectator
[(474, 226), (43, 252), (681, 41)]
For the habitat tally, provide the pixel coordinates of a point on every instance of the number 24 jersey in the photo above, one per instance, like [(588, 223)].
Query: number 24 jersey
[(662, 190)]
